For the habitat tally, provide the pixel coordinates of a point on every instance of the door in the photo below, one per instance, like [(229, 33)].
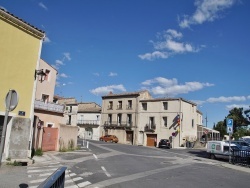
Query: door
[(50, 137), (151, 140), (130, 137)]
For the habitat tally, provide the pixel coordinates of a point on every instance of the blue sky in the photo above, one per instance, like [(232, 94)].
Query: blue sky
[(198, 50)]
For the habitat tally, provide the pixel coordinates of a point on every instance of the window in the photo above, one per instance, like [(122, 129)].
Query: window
[(165, 105), (144, 106), (152, 122), (119, 106), (129, 104), (47, 74), (192, 123), (119, 119), (110, 119), (45, 98), (110, 105), (50, 125), (97, 117), (165, 121), (129, 120)]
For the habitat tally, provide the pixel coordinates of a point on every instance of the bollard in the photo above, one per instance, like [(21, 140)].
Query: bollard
[(87, 144)]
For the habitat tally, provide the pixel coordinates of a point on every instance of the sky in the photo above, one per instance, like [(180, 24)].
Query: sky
[(198, 50)]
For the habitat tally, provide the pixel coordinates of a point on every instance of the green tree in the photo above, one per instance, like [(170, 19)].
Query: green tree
[(221, 127), (238, 119)]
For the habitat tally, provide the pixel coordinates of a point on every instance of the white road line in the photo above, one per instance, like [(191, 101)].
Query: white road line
[(41, 170), (78, 178), (95, 156), (40, 175), (107, 174), (37, 181), (83, 184), (72, 174), (71, 186)]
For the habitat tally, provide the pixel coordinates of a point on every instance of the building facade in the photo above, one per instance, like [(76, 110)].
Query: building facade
[(89, 120), (20, 50), (120, 115), (168, 118), (47, 112)]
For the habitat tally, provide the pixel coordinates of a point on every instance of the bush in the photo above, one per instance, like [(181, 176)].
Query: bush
[(39, 152)]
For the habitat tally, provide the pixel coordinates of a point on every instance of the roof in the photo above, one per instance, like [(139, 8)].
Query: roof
[(18, 22), (167, 99), (137, 93), (89, 107)]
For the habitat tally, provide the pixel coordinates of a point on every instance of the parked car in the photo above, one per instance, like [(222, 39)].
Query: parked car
[(220, 149), (164, 143), (109, 138), (242, 144)]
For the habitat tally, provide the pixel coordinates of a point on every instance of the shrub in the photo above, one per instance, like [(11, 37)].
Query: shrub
[(39, 152)]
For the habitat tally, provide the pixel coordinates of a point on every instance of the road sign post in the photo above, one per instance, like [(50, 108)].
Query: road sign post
[(230, 132), (11, 101)]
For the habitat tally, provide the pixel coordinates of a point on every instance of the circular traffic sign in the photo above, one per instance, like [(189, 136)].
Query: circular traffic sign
[(11, 100)]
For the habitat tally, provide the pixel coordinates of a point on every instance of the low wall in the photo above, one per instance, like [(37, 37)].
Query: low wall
[(67, 137)]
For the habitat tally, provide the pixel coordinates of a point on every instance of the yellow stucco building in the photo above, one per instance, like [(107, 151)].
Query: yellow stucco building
[(20, 50)]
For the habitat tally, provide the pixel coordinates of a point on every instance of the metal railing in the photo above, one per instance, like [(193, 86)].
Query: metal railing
[(55, 180), (241, 157), (88, 122)]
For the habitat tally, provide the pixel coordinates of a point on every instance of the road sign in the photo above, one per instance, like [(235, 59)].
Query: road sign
[(229, 126), (11, 100)]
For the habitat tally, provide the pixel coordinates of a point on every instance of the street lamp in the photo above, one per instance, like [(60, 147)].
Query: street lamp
[(41, 74)]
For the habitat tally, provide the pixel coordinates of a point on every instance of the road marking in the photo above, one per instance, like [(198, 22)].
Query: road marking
[(83, 184), (131, 177), (76, 179), (95, 156), (105, 171)]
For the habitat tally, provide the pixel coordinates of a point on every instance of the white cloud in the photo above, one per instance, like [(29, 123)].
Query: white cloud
[(226, 99), (59, 62), (244, 106), (167, 45), (63, 75), (112, 74), (96, 74), (207, 10), (66, 56), (170, 87), (106, 89), (154, 55), (43, 6), (46, 40), (248, 97)]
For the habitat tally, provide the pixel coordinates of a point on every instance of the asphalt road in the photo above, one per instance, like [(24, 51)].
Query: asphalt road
[(117, 165)]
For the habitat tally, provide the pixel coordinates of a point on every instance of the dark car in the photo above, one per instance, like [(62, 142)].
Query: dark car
[(164, 143)]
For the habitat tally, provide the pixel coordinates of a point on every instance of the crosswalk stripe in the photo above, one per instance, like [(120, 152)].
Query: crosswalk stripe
[(76, 179), (41, 170), (83, 184), (71, 186), (38, 181)]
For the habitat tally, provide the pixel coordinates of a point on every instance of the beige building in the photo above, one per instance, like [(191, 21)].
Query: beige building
[(136, 118), (175, 119), (120, 115)]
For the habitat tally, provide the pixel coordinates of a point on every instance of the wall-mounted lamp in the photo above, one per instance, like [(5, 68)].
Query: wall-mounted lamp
[(41, 74)]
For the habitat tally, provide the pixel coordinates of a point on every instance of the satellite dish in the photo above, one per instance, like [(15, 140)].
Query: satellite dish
[(11, 100)]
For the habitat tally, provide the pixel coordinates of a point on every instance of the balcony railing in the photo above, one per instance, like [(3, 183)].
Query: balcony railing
[(88, 122), (53, 107), (116, 124), (150, 128)]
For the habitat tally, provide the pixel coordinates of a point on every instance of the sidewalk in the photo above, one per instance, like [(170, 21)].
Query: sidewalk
[(13, 176)]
